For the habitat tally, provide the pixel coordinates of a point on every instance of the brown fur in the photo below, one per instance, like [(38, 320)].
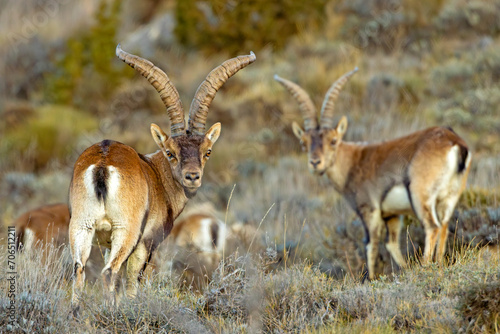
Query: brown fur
[(423, 173), (200, 241), (141, 197), (127, 201), (366, 173), (47, 224)]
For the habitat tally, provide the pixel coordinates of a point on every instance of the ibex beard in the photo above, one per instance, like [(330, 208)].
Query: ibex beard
[(127, 201)]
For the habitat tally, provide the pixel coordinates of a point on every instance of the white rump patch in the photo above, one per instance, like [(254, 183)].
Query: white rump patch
[(88, 179), (205, 236), (205, 241), (113, 181), (452, 159), (221, 238), (396, 201)]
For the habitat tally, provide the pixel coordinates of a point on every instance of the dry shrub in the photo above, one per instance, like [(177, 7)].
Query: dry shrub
[(14, 113), (225, 295), (47, 136), (215, 26), (23, 68), (147, 313), (478, 16), (297, 297), (479, 306), (40, 291)]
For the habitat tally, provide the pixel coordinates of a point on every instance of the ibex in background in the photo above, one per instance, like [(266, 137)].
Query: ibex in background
[(201, 241), (128, 201), (423, 173), (46, 226), (41, 226)]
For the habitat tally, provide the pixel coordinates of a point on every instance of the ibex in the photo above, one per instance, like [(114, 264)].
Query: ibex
[(423, 173), (201, 240), (41, 226), (46, 226), (128, 201)]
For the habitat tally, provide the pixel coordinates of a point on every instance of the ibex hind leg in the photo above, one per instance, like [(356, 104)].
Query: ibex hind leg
[(424, 196), (136, 264), (449, 186), (427, 214), (122, 245), (445, 208), (81, 234)]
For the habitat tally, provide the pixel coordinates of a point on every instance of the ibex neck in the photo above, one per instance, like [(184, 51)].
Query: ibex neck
[(346, 156), (172, 190)]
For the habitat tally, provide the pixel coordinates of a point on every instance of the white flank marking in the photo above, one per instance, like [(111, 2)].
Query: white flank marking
[(396, 200)]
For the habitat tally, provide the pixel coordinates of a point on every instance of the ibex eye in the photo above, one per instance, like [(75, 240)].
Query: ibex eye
[(334, 141), (169, 155), (208, 153)]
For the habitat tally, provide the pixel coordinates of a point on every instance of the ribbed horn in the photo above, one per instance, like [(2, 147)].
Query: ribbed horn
[(306, 105), (326, 118), (206, 91), (163, 85)]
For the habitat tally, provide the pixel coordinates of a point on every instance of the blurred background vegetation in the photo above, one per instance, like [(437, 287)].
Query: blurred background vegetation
[(421, 63)]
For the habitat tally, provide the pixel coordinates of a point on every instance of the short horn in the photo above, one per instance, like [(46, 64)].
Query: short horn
[(163, 85), (206, 91), (306, 105), (326, 118)]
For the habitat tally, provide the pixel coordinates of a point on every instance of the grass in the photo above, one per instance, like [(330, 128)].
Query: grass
[(439, 68), (242, 297)]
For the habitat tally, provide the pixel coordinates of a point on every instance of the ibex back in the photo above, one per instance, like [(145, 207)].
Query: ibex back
[(423, 173), (128, 201), (42, 226), (201, 240)]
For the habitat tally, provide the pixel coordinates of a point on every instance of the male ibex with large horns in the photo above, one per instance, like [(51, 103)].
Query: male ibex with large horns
[(422, 173), (128, 201)]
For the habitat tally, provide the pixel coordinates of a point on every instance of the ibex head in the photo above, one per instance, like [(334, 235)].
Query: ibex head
[(187, 149), (319, 138)]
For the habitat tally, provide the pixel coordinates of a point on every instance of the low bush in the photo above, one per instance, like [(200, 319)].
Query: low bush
[(49, 135), (479, 307)]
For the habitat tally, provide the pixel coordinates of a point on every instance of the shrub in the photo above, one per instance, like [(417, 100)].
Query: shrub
[(239, 26), (454, 76), (50, 134), (388, 25), (478, 16), (86, 71), (298, 297), (479, 306)]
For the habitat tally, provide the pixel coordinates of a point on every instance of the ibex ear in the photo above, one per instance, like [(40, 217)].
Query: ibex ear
[(342, 126), (159, 136), (297, 130), (213, 133)]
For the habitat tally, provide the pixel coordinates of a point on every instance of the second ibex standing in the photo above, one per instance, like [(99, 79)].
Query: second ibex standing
[(423, 173), (128, 201)]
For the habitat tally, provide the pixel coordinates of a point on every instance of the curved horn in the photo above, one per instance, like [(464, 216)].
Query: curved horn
[(306, 105), (206, 91), (163, 85), (326, 118)]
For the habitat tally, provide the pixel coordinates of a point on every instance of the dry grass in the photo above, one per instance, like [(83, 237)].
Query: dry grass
[(429, 77), (242, 297)]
